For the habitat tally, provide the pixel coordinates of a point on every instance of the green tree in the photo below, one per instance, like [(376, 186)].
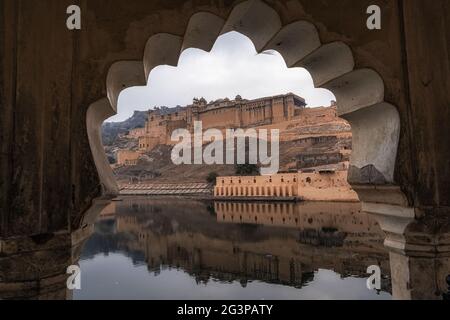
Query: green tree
[(212, 177), (247, 170)]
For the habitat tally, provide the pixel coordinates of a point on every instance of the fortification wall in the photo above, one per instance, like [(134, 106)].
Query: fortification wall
[(136, 133), (127, 157)]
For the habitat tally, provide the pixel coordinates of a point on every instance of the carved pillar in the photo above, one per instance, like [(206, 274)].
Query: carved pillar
[(418, 242), (35, 267)]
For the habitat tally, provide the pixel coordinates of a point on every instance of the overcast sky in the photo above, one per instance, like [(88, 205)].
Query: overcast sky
[(232, 67)]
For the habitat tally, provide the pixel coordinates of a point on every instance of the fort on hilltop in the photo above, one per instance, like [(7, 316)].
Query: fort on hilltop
[(280, 110), (220, 114)]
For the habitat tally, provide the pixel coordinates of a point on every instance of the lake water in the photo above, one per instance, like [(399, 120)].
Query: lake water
[(188, 249)]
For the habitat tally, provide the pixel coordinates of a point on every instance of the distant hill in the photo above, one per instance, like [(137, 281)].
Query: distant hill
[(111, 130)]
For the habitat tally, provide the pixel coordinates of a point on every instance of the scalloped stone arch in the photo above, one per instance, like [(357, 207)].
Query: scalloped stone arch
[(360, 93)]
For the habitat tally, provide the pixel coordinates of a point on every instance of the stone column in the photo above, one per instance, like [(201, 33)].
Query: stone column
[(35, 267), (418, 241)]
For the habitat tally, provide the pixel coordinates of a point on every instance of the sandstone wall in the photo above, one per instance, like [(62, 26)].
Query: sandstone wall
[(127, 157), (148, 142), (136, 133), (313, 186)]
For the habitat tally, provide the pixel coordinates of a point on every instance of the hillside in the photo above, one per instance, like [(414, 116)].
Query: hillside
[(112, 130), (156, 166), (316, 138)]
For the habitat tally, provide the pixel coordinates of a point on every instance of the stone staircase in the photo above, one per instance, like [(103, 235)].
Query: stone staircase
[(169, 189)]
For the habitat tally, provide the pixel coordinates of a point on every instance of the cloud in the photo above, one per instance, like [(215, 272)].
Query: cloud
[(232, 67)]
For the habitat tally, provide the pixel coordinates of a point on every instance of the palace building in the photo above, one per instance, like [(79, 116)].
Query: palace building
[(220, 114), (317, 185), (225, 114)]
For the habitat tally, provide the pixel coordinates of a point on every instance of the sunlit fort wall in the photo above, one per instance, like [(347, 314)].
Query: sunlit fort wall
[(224, 114), (127, 157), (322, 185), (220, 114), (136, 133)]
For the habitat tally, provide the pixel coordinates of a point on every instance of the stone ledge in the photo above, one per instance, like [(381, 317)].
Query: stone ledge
[(389, 210), (406, 234), (19, 245), (44, 242), (386, 194)]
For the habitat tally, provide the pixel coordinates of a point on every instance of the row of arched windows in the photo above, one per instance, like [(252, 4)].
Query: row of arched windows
[(258, 191), (270, 180)]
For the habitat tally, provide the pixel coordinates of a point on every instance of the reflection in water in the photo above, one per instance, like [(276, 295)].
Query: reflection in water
[(180, 249)]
